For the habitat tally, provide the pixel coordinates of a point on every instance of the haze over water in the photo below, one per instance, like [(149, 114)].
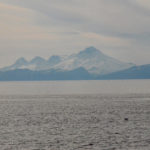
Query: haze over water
[(75, 87), (75, 115)]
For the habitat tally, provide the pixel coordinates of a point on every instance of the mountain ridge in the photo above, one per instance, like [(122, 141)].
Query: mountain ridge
[(135, 72), (91, 59), (29, 75)]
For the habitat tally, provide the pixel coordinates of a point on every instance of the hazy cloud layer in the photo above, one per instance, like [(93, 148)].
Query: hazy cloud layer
[(119, 28)]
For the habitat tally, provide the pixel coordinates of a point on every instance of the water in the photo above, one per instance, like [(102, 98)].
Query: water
[(75, 115)]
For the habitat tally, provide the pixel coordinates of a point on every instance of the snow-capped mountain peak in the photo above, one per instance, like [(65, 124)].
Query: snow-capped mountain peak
[(21, 61), (90, 50), (89, 53), (91, 59), (53, 60), (94, 61), (37, 60)]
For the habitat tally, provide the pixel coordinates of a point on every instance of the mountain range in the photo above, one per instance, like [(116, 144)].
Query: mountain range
[(135, 72), (88, 64), (91, 59)]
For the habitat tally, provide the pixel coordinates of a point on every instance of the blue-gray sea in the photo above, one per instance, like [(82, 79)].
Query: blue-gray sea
[(75, 115)]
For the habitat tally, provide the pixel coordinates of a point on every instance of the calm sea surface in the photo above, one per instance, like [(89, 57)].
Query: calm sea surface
[(75, 87), (75, 115)]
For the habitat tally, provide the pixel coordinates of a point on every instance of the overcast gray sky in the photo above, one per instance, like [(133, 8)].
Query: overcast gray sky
[(119, 28)]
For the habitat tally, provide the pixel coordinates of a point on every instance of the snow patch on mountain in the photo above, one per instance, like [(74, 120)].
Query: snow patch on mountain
[(94, 61), (91, 59)]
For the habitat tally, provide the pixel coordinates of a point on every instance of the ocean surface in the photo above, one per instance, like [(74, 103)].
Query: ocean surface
[(75, 115)]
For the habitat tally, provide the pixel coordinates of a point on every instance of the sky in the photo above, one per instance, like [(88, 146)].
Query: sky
[(119, 28)]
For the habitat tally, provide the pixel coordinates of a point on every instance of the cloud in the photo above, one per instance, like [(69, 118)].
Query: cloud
[(37, 27), (143, 3)]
